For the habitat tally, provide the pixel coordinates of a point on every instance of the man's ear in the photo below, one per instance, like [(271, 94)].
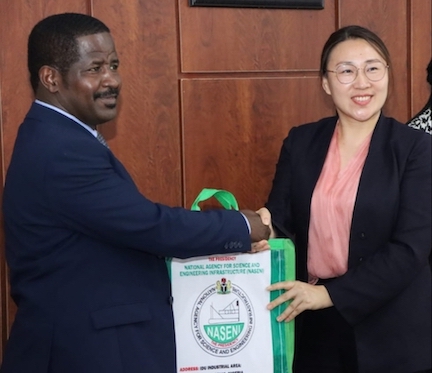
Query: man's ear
[(49, 77)]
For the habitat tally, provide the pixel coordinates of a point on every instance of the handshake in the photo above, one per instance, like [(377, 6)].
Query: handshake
[(260, 226)]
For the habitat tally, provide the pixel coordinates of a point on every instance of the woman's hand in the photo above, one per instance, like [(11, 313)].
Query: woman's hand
[(302, 295), (265, 215), (260, 246)]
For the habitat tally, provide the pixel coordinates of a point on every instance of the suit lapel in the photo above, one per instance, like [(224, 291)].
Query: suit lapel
[(373, 176), (374, 201)]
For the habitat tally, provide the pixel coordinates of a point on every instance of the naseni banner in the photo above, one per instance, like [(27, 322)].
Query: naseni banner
[(221, 321)]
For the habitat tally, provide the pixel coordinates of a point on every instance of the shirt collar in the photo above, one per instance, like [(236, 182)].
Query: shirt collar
[(66, 114)]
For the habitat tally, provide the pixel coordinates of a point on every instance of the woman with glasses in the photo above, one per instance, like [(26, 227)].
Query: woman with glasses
[(355, 192)]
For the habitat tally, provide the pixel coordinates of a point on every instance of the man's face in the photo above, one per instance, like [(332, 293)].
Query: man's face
[(90, 89)]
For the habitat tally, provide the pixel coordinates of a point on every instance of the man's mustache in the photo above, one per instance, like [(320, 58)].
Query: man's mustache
[(108, 93)]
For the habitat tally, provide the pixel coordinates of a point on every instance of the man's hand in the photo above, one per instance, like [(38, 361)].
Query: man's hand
[(259, 230)]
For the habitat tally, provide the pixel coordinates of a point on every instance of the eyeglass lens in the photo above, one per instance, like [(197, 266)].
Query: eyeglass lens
[(347, 73)]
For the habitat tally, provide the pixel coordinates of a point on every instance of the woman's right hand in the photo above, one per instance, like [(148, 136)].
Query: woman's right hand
[(265, 215), (301, 295)]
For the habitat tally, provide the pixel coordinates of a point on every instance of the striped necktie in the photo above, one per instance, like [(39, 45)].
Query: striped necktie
[(102, 140)]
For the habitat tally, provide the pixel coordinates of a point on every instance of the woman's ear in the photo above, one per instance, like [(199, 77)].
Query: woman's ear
[(325, 85), (49, 77)]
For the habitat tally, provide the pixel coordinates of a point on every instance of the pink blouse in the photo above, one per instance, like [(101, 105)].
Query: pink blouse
[(332, 208)]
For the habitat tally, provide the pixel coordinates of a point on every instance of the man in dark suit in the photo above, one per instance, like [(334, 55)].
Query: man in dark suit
[(85, 249)]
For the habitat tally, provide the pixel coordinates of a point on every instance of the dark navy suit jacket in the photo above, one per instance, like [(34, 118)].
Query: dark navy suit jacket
[(386, 293), (86, 255)]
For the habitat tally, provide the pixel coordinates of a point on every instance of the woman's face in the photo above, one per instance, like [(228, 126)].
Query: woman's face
[(362, 99)]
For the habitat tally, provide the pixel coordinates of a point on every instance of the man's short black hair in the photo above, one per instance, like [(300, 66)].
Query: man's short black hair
[(52, 42)]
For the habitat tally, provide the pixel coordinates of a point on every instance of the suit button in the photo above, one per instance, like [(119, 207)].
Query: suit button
[(362, 235), (360, 259), (170, 300)]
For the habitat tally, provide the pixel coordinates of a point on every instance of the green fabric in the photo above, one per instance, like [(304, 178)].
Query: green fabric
[(282, 269), (226, 199)]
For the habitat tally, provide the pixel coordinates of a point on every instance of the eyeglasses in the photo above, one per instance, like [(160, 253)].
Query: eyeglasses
[(347, 72)]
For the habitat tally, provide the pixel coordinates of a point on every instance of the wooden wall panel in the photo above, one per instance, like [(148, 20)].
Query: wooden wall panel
[(420, 53), (405, 27), (233, 130), (389, 20), (17, 18), (146, 134), (222, 39)]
